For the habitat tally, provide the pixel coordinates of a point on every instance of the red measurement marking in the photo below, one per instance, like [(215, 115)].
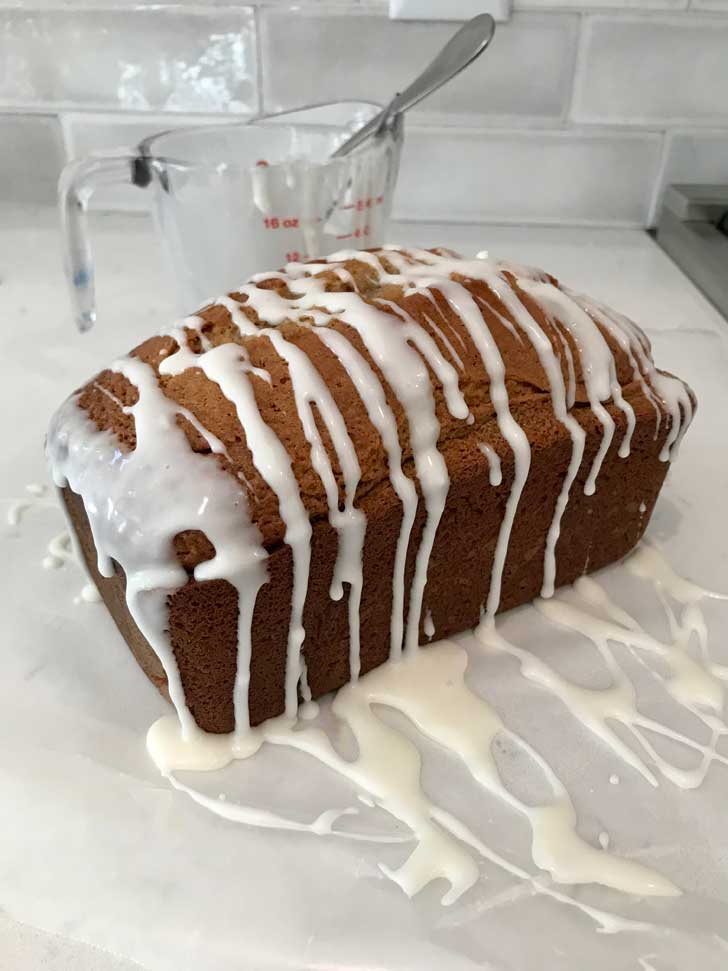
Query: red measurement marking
[(357, 234), (262, 161), (276, 222), (293, 256), (361, 204)]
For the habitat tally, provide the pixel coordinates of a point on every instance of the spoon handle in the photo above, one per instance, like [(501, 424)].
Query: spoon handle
[(463, 47)]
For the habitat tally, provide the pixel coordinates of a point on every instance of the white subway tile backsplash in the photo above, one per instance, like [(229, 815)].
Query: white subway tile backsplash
[(525, 74), (532, 132), (87, 132), (31, 158), (577, 177), (692, 156), (591, 5), (653, 70), (142, 58), (500, 10)]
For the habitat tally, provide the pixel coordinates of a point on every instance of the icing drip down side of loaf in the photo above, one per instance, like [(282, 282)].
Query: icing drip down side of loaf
[(412, 331)]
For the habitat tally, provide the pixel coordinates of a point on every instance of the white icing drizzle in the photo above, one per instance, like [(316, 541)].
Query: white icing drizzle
[(495, 476), (623, 331), (62, 548), (350, 524), (36, 498), (429, 350), (228, 367), (308, 709), (174, 361), (597, 361), (570, 369), (429, 689), (303, 681), (60, 551), (446, 341), (552, 368), (598, 369), (597, 366), (415, 394), (463, 304), (428, 625), (178, 332), (676, 398), (16, 510), (657, 386), (456, 334), (406, 354), (381, 416), (137, 502), (696, 685), (405, 371), (645, 962), (415, 277), (88, 594), (501, 318)]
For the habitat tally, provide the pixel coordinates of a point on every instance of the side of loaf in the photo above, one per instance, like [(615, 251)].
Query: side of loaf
[(346, 459)]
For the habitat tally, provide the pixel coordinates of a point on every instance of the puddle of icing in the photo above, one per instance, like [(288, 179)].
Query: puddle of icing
[(36, 496), (429, 690), (61, 547), (60, 551), (695, 684)]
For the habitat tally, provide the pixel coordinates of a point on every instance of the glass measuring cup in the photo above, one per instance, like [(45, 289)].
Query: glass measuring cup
[(236, 198)]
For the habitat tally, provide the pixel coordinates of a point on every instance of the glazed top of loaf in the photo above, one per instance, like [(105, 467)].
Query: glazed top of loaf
[(396, 284), (312, 392)]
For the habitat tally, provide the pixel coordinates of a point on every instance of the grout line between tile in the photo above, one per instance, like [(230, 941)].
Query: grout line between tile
[(661, 167), (258, 24), (525, 221), (585, 22), (65, 125), (574, 68)]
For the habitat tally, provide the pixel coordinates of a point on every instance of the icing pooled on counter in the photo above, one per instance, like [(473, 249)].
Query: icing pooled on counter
[(36, 496), (430, 690), (696, 685)]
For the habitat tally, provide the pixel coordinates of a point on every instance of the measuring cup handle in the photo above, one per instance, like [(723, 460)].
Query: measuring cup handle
[(79, 180)]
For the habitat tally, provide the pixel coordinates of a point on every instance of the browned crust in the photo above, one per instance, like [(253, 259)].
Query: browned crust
[(596, 531)]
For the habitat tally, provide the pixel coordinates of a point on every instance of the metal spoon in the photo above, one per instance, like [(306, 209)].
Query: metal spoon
[(462, 49)]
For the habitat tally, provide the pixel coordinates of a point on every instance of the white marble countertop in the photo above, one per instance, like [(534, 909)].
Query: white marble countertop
[(623, 267)]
